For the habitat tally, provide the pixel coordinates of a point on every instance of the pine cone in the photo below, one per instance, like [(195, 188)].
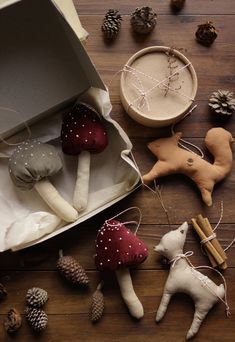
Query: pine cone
[(206, 33), (143, 20), (222, 102), (72, 271), (3, 291), (177, 4), (13, 321), (36, 297), (37, 319), (97, 305), (111, 23)]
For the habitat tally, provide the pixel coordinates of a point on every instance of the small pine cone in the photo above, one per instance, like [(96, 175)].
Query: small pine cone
[(3, 291), (13, 321), (177, 4), (206, 33), (111, 23), (143, 20), (36, 318), (36, 297), (97, 305), (222, 102), (72, 271)]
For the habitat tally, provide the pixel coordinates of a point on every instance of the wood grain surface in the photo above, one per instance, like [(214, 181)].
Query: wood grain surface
[(68, 308)]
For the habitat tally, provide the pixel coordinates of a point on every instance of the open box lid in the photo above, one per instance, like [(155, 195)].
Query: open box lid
[(44, 66), (25, 218)]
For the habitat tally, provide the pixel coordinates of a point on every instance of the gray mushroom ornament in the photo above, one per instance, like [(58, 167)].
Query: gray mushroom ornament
[(30, 165)]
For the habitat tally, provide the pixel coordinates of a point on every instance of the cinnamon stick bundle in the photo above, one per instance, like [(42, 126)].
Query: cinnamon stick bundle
[(212, 247)]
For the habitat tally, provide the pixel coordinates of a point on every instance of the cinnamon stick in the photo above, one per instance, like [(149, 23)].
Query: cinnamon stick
[(208, 230), (209, 255), (219, 260)]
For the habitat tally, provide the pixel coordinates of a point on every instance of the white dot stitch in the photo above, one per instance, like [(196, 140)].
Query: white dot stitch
[(97, 246), (128, 232), (43, 155), (127, 253), (101, 233), (108, 260), (139, 244), (119, 262), (129, 246), (71, 130), (89, 132), (86, 140), (101, 263), (105, 248), (101, 241), (120, 238), (25, 164), (66, 136), (117, 251), (83, 125), (141, 255), (77, 136), (75, 122), (109, 239)]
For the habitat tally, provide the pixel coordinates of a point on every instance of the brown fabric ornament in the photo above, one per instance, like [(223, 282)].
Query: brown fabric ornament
[(36, 318), (143, 20), (13, 321), (111, 23), (97, 305), (71, 270), (206, 33), (222, 102), (177, 5), (3, 291), (36, 297)]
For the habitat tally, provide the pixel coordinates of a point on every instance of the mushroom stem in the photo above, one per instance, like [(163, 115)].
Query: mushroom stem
[(51, 196), (80, 197), (128, 293)]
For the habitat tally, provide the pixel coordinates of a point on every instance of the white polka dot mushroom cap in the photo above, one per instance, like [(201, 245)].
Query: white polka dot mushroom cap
[(32, 161), (116, 246)]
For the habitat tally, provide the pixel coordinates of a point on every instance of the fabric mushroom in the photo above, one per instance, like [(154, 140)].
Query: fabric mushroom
[(82, 134), (117, 249), (30, 165)]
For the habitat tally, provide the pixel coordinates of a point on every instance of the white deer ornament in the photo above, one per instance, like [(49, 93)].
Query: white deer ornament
[(184, 278)]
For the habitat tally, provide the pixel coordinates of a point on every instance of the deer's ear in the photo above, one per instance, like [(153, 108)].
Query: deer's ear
[(159, 248)]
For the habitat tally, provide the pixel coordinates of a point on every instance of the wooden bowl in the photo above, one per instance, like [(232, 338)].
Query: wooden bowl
[(150, 102)]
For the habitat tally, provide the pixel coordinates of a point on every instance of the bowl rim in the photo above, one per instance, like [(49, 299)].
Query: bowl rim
[(184, 59)]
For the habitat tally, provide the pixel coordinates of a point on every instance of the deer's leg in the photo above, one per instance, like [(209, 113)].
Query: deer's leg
[(163, 305), (159, 169), (199, 315), (206, 196)]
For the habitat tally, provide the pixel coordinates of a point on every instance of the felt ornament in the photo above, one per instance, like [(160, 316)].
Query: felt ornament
[(83, 133), (30, 165), (117, 249), (173, 159), (184, 278)]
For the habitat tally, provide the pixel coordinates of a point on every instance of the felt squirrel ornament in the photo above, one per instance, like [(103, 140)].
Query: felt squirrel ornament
[(185, 278), (173, 159)]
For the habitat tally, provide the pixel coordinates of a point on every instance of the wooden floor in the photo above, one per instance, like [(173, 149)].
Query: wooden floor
[(68, 308)]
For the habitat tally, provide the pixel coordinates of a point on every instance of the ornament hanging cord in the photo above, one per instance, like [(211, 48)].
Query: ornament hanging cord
[(25, 124)]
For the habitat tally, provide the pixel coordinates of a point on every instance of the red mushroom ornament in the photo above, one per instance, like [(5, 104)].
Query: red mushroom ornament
[(82, 134), (117, 249)]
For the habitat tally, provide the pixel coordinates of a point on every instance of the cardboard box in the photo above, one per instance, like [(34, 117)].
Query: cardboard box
[(44, 69)]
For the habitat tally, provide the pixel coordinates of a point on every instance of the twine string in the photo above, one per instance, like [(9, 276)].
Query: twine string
[(24, 122), (213, 235), (204, 279), (127, 222)]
